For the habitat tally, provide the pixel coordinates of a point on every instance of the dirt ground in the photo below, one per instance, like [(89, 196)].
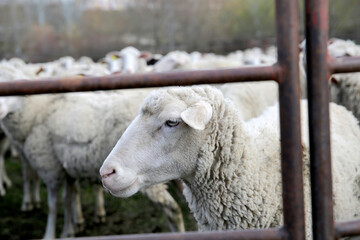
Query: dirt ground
[(136, 214)]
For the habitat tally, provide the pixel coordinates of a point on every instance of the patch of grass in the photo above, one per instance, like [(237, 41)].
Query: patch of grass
[(136, 214)]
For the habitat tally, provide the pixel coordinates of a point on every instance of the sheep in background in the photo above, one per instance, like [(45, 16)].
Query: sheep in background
[(210, 61), (150, 58), (168, 206), (171, 61), (345, 90), (345, 87), (251, 99), (336, 48), (31, 197), (63, 67), (256, 56), (64, 139), (31, 185), (128, 60), (231, 168), (180, 60), (339, 48), (131, 61)]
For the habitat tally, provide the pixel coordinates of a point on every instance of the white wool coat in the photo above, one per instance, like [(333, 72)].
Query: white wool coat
[(237, 180), (71, 132), (231, 168)]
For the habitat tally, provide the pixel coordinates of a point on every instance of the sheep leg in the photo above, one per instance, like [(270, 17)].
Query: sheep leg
[(52, 205), (27, 204), (2, 182), (4, 146), (4, 179), (161, 197), (14, 153), (68, 229), (100, 213), (77, 209), (36, 192)]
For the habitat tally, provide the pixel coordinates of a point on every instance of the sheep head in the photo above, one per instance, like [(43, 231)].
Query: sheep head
[(162, 143)]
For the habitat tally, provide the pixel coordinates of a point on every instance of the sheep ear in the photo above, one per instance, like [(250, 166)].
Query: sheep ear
[(334, 80), (197, 116)]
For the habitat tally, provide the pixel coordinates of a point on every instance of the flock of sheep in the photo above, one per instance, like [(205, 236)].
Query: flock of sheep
[(222, 141)]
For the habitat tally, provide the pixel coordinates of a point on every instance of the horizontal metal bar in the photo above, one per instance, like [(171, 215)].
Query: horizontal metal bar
[(269, 234), (121, 81), (344, 64), (348, 228)]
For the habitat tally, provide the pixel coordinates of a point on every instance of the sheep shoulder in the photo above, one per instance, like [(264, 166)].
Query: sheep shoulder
[(239, 173)]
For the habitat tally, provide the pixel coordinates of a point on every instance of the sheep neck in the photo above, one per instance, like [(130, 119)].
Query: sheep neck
[(225, 194)]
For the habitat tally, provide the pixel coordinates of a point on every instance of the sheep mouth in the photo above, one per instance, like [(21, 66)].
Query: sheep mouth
[(129, 186), (124, 191)]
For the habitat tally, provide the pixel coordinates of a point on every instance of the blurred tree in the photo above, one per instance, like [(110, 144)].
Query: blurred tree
[(92, 28)]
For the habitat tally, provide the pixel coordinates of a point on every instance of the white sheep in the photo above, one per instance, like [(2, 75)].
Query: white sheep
[(339, 48), (336, 48), (63, 137), (345, 87), (256, 56), (231, 168), (81, 67), (128, 60), (12, 70), (345, 90), (251, 98), (31, 184), (172, 61)]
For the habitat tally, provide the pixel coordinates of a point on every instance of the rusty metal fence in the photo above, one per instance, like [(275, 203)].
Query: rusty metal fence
[(286, 73)]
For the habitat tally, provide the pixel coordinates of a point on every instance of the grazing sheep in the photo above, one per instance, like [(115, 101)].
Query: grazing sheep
[(231, 168), (64, 139)]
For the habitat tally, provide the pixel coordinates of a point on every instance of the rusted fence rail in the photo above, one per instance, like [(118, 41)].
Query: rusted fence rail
[(319, 126), (286, 73), (138, 80)]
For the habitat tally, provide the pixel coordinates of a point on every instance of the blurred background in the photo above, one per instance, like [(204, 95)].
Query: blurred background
[(44, 30)]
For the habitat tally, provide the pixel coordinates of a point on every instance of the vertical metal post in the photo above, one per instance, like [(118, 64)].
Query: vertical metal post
[(287, 17), (318, 94)]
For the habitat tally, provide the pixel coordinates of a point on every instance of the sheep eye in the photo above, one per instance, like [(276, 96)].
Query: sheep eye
[(172, 123)]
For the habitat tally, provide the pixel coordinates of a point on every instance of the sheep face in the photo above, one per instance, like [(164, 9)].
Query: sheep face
[(161, 144)]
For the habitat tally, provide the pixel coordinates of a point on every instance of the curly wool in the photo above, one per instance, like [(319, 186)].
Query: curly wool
[(237, 182), (232, 191)]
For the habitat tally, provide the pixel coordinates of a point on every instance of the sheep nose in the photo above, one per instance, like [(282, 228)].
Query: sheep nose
[(107, 172)]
